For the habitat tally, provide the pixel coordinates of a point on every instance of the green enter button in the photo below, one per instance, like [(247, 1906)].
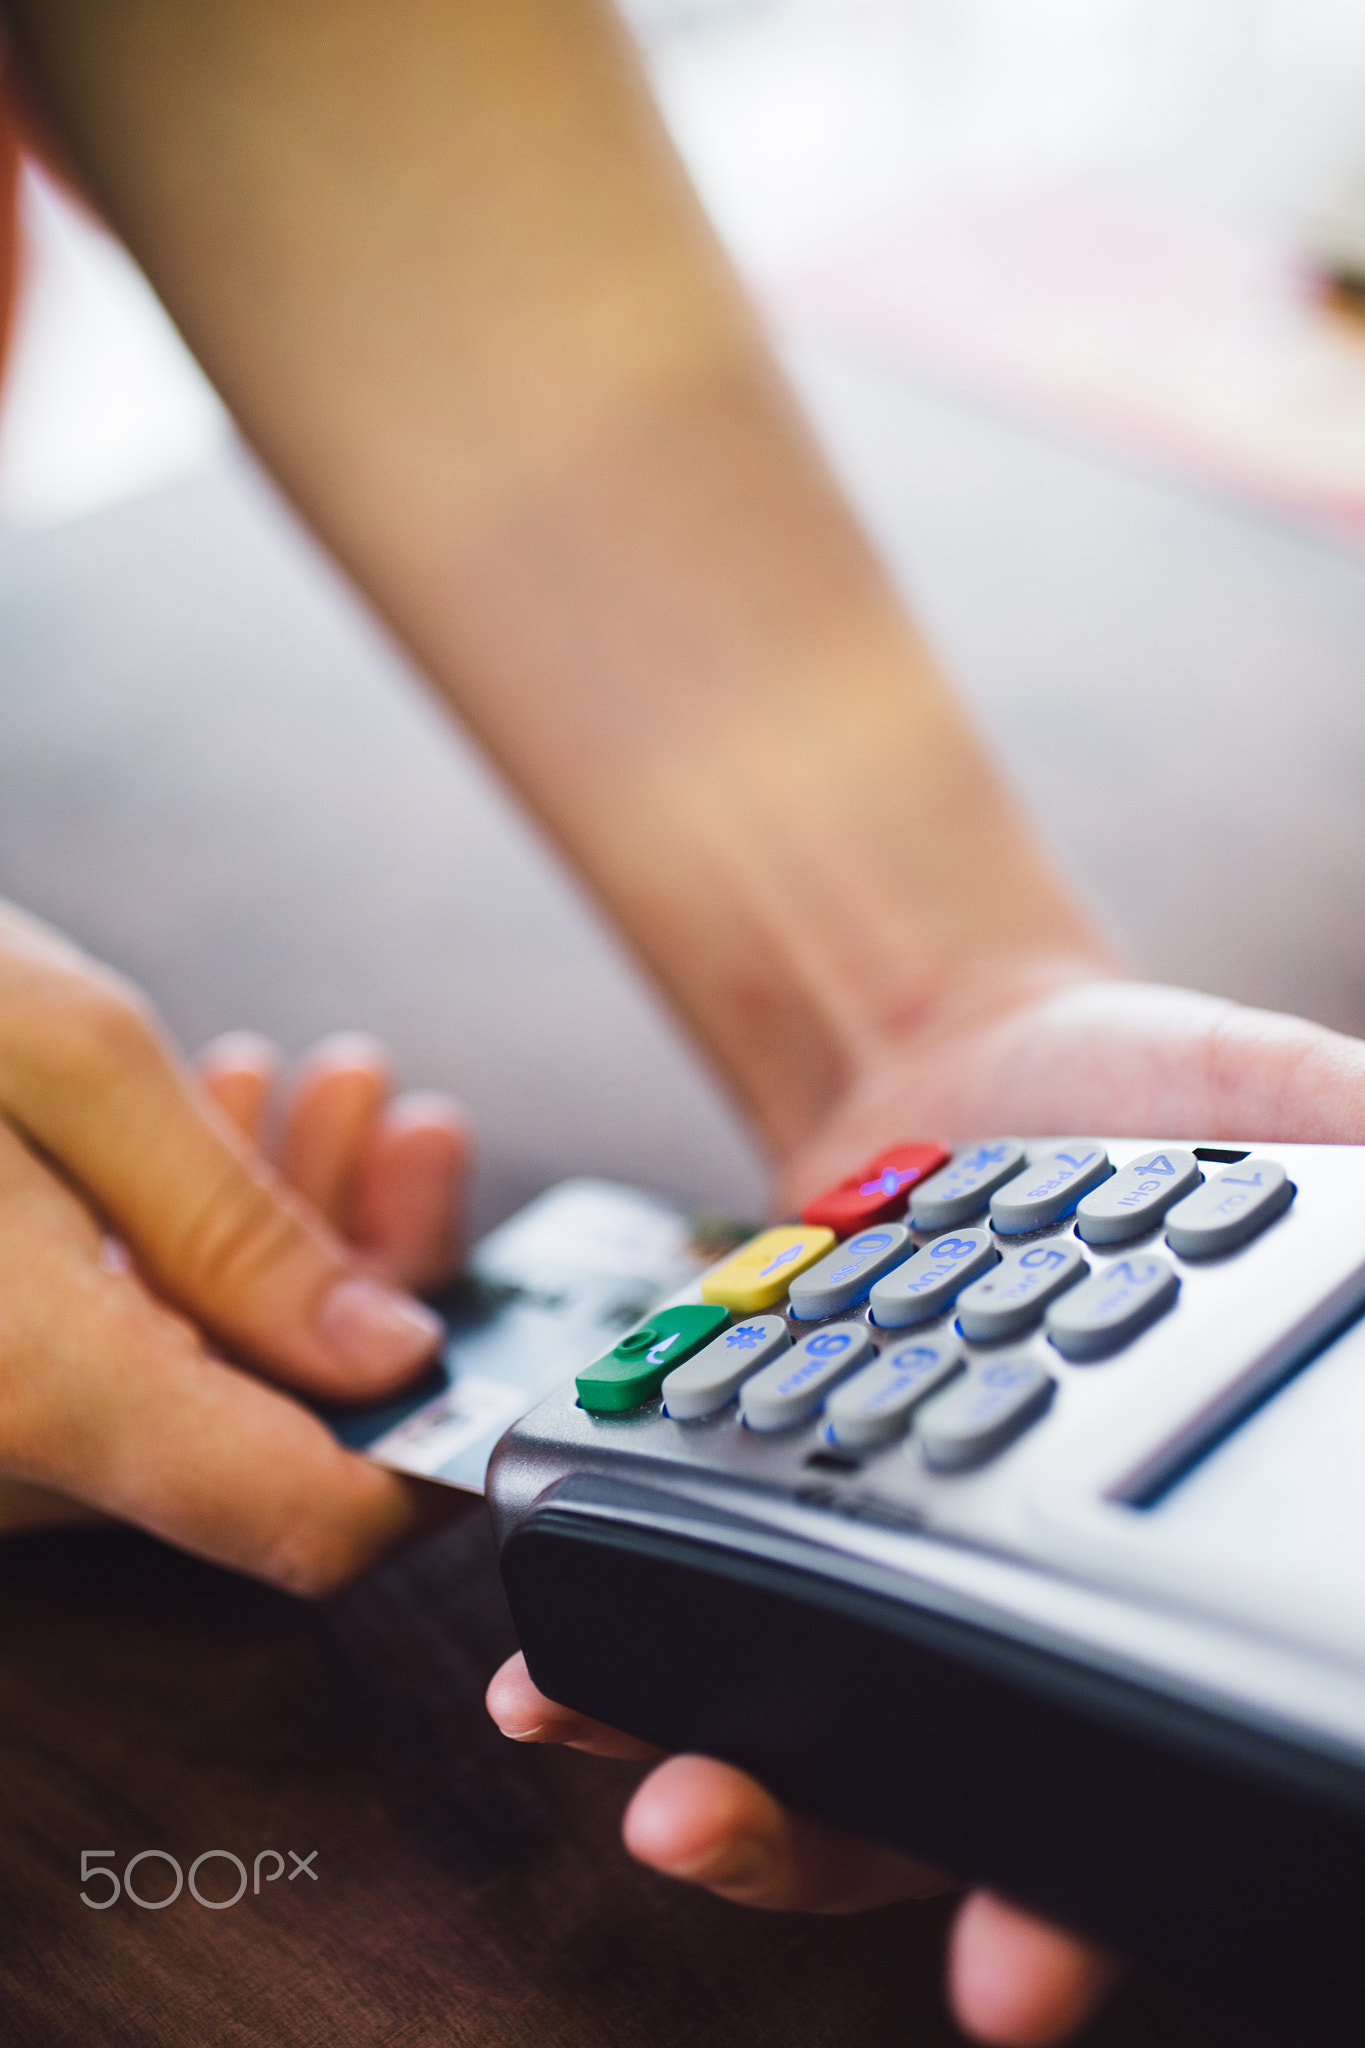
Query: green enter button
[(634, 1371)]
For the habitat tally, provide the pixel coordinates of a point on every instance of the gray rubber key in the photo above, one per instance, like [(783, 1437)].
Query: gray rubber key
[(844, 1275), (1010, 1300), (1048, 1189), (965, 1185), (875, 1406), (705, 1384), (1137, 1196), (980, 1413), (1229, 1209), (930, 1282), (794, 1388), (1112, 1306)]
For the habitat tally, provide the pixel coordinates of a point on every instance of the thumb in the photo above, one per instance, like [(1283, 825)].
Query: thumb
[(212, 1227)]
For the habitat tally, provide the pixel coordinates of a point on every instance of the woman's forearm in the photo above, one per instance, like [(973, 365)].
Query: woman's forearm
[(442, 262)]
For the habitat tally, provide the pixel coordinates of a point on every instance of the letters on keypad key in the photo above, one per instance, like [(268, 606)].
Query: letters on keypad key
[(878, 1191), (932, 1280), (1010, 1299), (845, 1275), (1137, 1197), (966, 1184), (1229, 1209), (981, 1412), (1048, 1189), (1110, 1308), (794, 1388), (876, 1405)]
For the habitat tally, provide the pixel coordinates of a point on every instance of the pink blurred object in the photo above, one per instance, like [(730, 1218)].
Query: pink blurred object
[(1200, 348)]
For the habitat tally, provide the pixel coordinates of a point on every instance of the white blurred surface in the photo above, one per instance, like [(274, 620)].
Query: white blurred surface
[(803, 122), (807, 121), (102, 399)]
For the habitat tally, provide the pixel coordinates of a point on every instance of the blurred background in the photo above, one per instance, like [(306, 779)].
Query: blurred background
[(1050, 275)]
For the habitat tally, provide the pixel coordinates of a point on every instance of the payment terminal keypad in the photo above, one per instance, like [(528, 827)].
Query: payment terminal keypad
[(945, 1341)]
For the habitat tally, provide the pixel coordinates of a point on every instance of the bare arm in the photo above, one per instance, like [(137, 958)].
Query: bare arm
[(442, 262)]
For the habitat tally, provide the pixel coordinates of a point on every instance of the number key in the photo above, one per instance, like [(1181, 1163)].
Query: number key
[(927, 1284), (1229, 1209), (1010, 1300), (1111, 1307)]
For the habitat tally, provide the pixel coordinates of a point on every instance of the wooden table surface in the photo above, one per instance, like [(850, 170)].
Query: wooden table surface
[(468, 1893)]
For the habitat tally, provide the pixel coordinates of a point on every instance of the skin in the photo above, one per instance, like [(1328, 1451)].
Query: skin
[(442, 263), (165, 1288)]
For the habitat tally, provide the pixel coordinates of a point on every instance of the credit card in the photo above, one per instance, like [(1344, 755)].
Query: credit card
[(542, 1296)]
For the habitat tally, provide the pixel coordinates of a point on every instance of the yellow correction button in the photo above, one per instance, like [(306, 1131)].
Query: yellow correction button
[(761, 1271)]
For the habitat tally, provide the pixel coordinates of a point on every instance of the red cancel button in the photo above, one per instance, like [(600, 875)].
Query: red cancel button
[(877, 1193)]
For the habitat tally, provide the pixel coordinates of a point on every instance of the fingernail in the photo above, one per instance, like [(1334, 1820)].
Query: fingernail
[(234, 1049), (348, 1049), (522, 1734), (377, 1327), (427, 1106)]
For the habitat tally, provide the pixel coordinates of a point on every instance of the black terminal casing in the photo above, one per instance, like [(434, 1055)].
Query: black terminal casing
[(1215, 1852)]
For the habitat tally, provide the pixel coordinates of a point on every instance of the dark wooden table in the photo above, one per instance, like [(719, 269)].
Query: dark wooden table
[(467, 1893)]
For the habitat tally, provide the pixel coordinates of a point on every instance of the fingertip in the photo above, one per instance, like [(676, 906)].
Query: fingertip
[(377, 1335), (524, 1714), (514, 1704), (414, 1179), (239, 1069), (707, 1823), (430, 1109), (332, 1109), (407, 1202), (701, 1820), (1017, 1982)]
